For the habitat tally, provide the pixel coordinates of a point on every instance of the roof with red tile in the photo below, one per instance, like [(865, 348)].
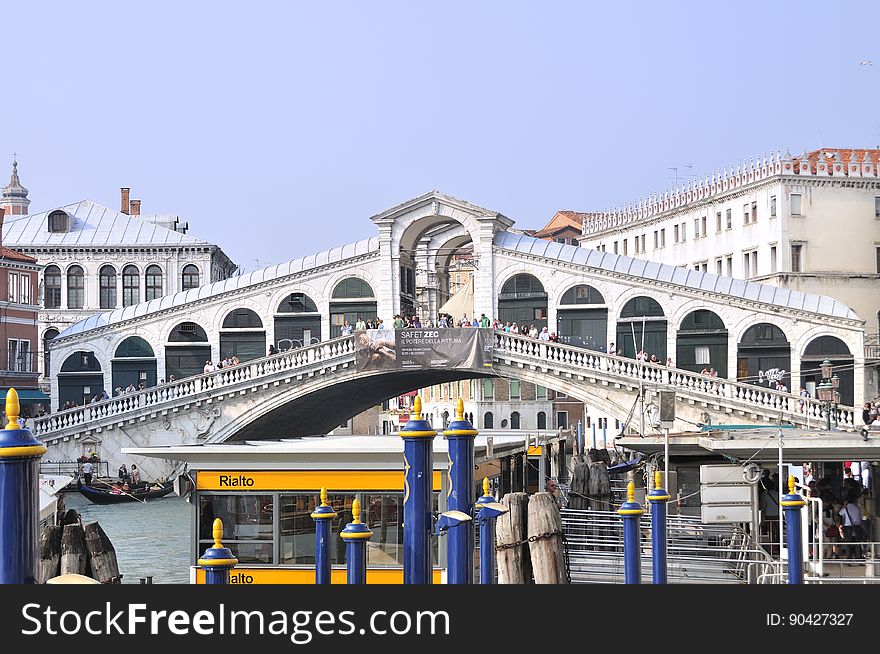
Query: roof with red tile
[(560, 221), (15, 255), (829, 156)]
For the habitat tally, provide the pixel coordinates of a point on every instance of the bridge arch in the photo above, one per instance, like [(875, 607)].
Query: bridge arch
[(629, 322), (582, 316), (523, 299), (838, 353), (701, 342), (243, 335), (763, 356), (133, 362), (80, 378), (186, 350)]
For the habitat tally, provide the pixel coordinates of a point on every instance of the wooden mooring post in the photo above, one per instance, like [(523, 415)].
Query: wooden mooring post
[(74, 556), (512, 558), (102, 555), (546, 544)]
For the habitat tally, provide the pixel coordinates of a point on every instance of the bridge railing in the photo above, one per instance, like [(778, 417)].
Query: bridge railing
[(195, 385), (748, 394)]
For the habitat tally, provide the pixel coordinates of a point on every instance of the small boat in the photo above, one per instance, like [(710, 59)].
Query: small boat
[(142, 492)]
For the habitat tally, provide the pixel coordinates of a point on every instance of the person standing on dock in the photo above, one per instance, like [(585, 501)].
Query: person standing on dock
[(123, 474)]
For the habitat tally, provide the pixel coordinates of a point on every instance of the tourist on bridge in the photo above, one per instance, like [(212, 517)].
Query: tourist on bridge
[(209, 366), (360, 325), (544, 335), (484, 320), (346, 328), (272, 350)]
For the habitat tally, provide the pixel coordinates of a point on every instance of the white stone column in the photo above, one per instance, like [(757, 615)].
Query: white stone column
[(387, 298), (859, 395), (484, 275)]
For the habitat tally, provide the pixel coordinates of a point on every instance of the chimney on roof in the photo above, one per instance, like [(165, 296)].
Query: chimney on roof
[(125, 202), (135, 207)]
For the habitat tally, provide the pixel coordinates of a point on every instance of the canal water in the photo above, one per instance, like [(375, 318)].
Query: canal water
[(151, 538)]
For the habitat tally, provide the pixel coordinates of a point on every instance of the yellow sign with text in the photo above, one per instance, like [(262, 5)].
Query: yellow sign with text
[(298, 480), (247, 576)]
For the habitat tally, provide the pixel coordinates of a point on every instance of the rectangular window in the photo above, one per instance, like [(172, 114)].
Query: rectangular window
[(703, 226), (729, 219), (718, 222), (701, 355), (745, 214), (796, 258), (754, 212), (773, 258), (624, 247), (719, 269), (11, 353), (644, 247), (746, 264), (675, 233), (684, 232), (656, 239), (541, 392), (877, 207), (562, 419), (795, 204), (773, 206), (615, 247), (515, 390), (488, 389), (663, 238), (13, 287), (24, 293), (730, 266), (877, 250), (696, 228), (24, 354)]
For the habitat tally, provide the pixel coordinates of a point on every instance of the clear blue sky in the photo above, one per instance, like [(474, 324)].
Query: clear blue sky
[(277, 128)]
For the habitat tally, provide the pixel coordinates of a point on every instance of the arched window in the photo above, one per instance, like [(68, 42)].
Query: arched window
[(48, 336), (108, 287), (542, 420), (582, 294), (52, 287), (134, 346), (58, 221), (523, 300), (190, 278), (514, 420), (131, 286), (352, 287), (154, 283), (76, 287), (488, 420), (488, 389), (242, 319), (297, 303)]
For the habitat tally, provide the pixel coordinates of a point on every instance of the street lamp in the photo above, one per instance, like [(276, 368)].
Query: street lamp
[(828, 393)]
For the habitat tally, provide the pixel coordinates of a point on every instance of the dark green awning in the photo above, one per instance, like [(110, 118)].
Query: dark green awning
[(29, 395)]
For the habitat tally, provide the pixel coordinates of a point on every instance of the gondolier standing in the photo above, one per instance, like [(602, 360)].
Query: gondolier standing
[(87, 469)]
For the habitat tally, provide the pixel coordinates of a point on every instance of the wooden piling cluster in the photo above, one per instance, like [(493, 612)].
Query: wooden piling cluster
[(76, 548), (529, 541)]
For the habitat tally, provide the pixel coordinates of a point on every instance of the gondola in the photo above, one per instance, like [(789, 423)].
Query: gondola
[(102, 495)]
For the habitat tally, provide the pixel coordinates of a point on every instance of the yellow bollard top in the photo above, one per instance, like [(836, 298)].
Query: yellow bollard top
[(485, 485), (791, 484), (459, 409), (657, 480), (417, 408), (356, 512), (13, 409), (631, 492), (218, 533), (323, 496)]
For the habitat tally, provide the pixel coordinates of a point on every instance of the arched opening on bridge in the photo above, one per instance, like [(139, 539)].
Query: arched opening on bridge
[(242, 335), (352, 299), (187, 351), (763, 356), (523, 301), (582, 318), (80, 379), (514, 420), (48, 335), (542, 420), (488, 420), (133, 363), (836, 351), (642, 325), (297, 322), (701, 343)]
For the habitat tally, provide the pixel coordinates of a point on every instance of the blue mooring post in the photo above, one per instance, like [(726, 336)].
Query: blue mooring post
[(792, 504), (658, 498), (356, 534), (488, 509), (323, 516), (460, 497), (631, 512), (418, 450), (20, 456), (217, 560)]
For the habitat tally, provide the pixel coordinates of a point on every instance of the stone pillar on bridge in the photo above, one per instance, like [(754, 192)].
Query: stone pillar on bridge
[(387, 297), (484, 276)]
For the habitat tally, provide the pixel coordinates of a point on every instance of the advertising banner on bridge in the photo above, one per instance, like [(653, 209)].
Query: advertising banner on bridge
[(408, 349)]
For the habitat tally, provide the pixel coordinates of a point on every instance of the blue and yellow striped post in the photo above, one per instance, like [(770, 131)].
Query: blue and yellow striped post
[(418, 451), (459, 497), (792, 504), (356, 534), (323, 516), (217, 560), (488, 509), (631, 512), (658, 498), (20, 456)]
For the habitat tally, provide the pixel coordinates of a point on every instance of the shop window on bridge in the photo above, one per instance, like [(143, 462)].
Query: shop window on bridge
[(349, 303), (80, 379), (523, 301), (701, 343), (581, 325), (763, 357), (642, 325), (242, 335), (133, 363), (187, 351), (837, 352), (242, 319), (297, 322)]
